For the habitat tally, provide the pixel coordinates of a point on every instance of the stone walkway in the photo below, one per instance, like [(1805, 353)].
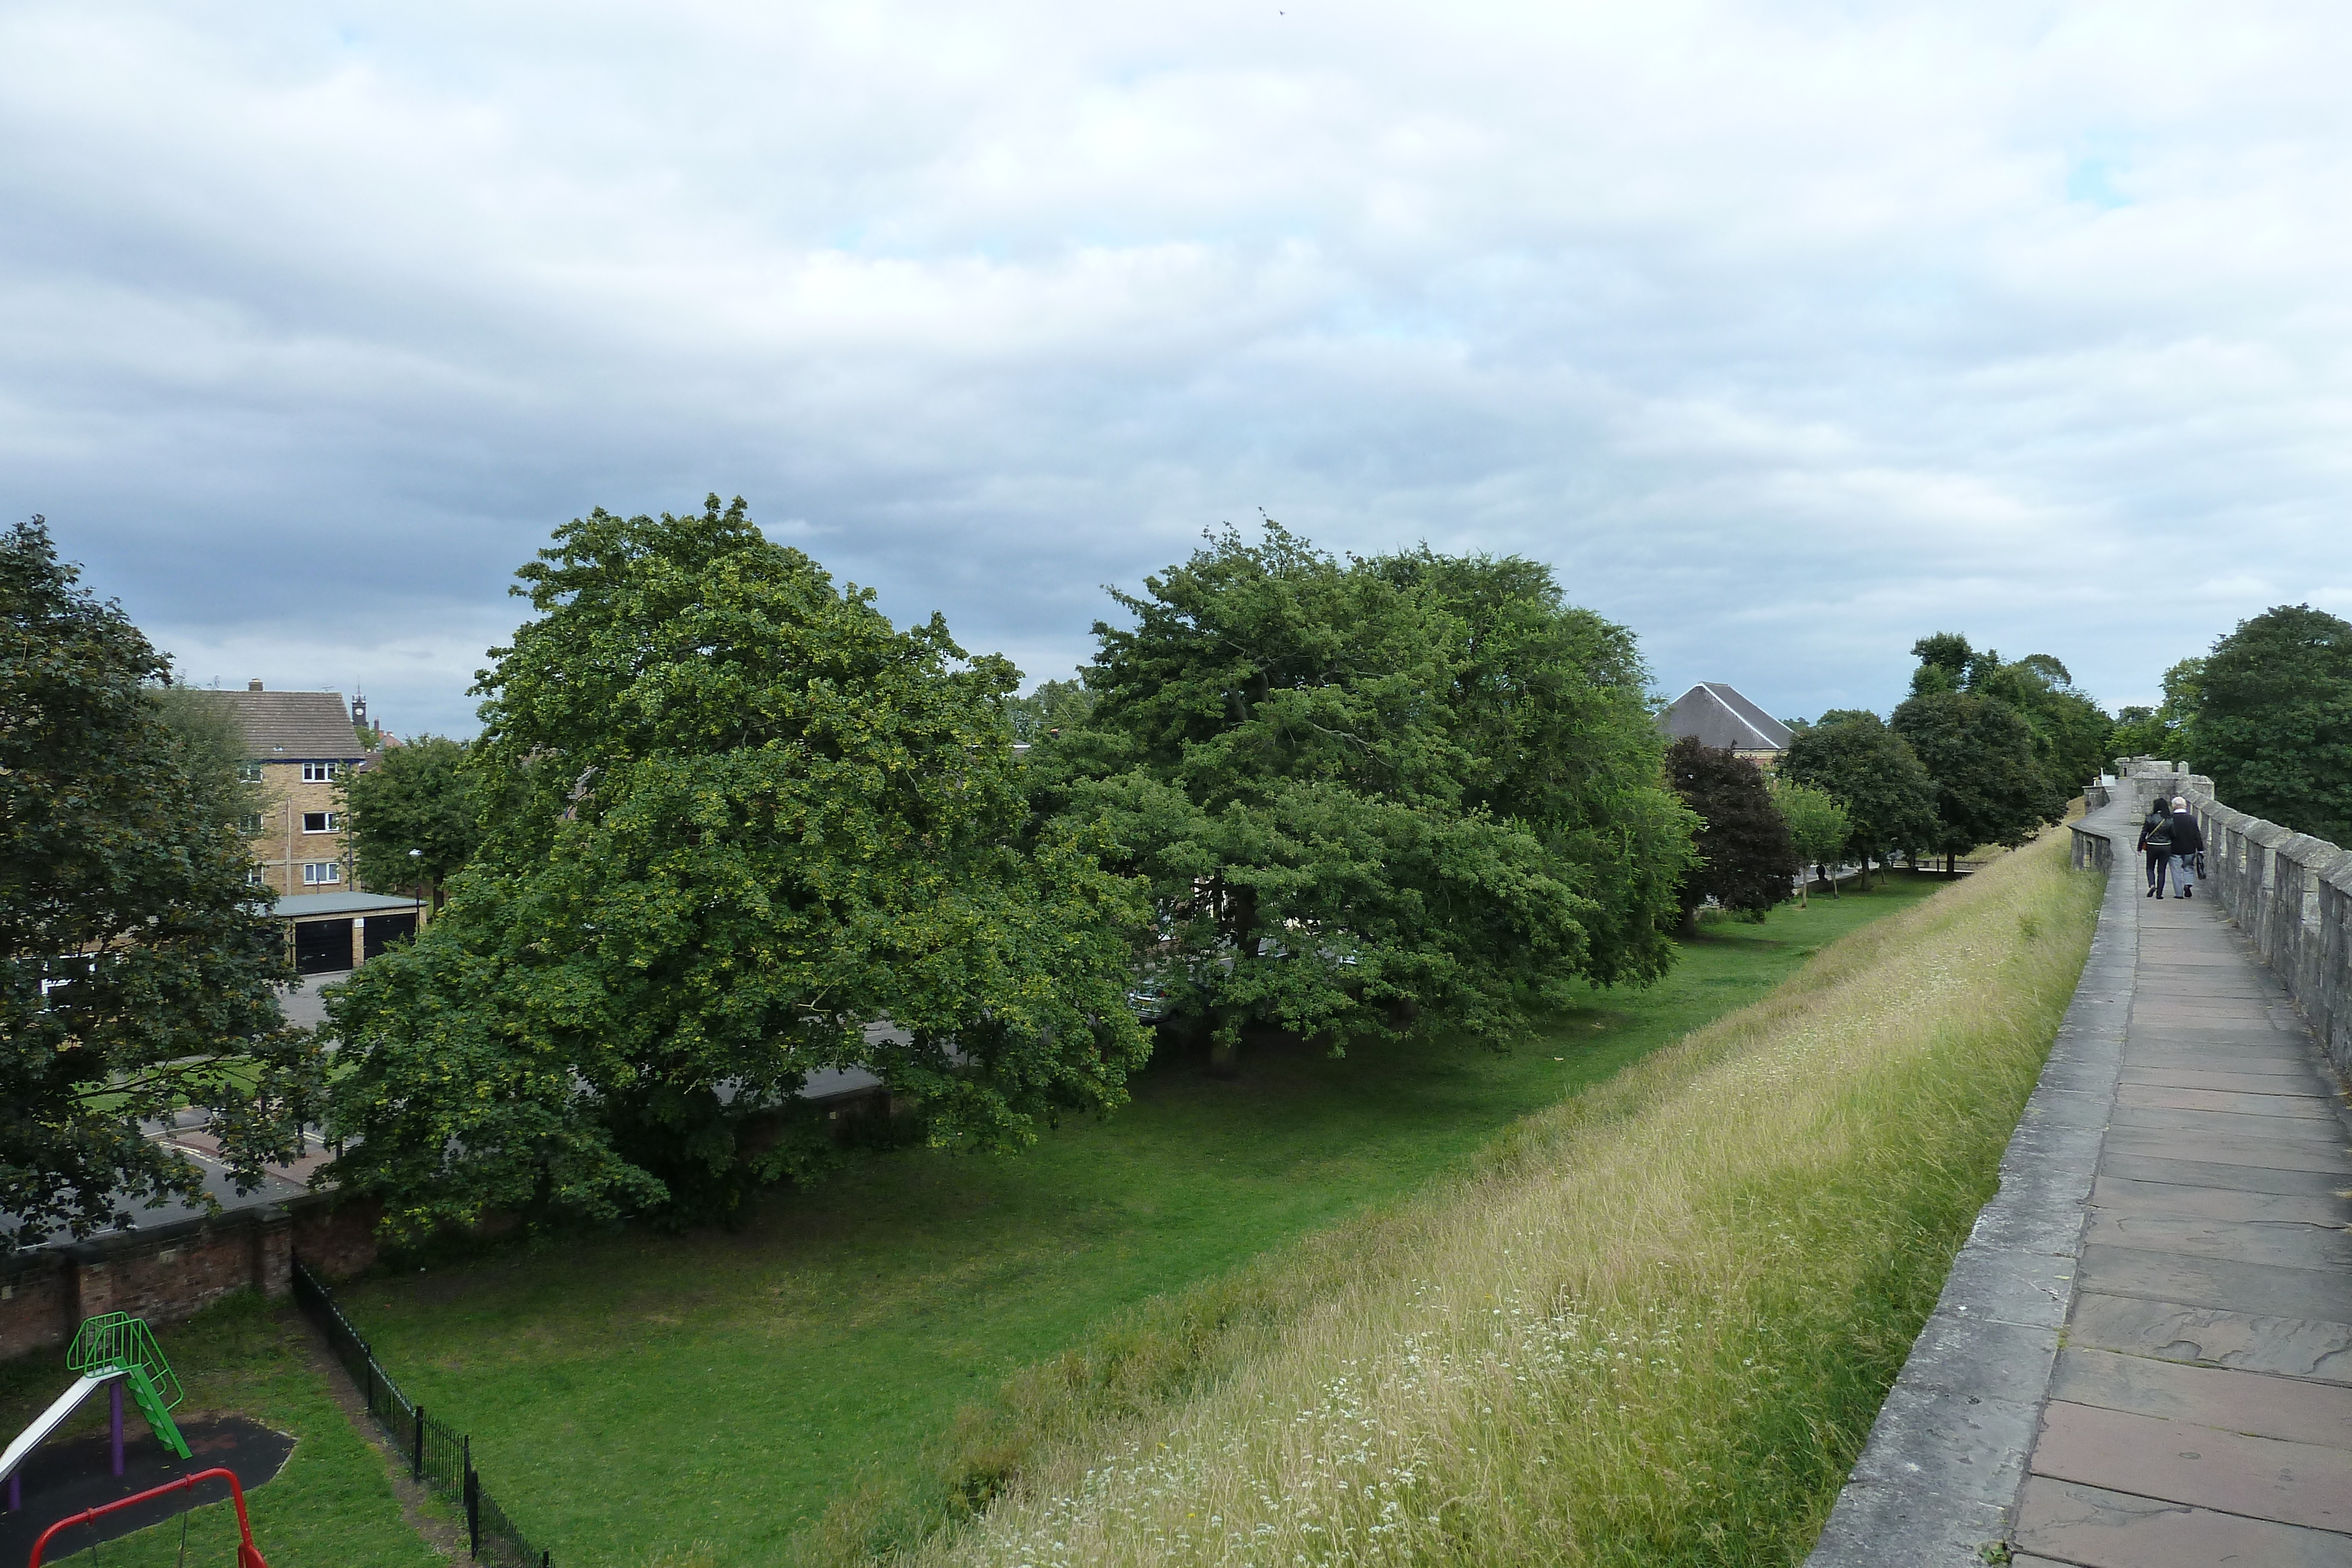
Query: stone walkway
[(2200, 1408)]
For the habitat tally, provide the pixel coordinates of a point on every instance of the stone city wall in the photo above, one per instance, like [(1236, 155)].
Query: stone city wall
[(2290, 893)]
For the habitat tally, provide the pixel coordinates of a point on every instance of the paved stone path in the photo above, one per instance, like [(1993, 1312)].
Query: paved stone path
[(2199, 1409)]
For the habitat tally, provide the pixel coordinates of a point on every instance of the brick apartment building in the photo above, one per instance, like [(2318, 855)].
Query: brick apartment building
[(299, 747)]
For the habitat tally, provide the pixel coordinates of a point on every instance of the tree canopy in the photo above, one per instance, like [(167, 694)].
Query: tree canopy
[(2169, 729), (2274, 724), (1851, 756), (1746, 856), (137, 966), (2071, 735), (740, 828), (1817, 826), (1978, 750), (1374, 792), (417, 797)]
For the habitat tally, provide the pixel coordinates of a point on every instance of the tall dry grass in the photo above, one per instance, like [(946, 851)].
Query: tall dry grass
[(1653, 1328)]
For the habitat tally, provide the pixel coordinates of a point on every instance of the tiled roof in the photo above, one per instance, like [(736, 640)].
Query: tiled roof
[(1717, 714), (293, 726)]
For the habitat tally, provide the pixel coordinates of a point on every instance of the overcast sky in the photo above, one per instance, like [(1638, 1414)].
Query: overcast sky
[(1788, 333)]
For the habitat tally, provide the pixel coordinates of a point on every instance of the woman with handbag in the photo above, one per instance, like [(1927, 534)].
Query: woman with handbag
[(2156, 843)]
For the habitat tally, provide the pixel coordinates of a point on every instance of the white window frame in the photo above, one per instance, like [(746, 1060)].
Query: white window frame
[(322, 773), (329, 817), (249, 772), (322, 873)]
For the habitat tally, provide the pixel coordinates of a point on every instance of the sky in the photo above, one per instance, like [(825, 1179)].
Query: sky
[(1787, 333)]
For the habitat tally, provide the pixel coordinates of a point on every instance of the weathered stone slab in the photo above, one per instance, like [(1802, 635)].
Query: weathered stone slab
[(2288, 1076), (1878, 1524), (1960, 1444), (2261, 1289), (2279, 1154), (2009, 1287), (2288, 1408), (2095, 1528), (2326, 1133), (2287, 1244), (2120, 1194), (2219, 1175), (2303, 1107), (1990, 1359), (2290, 1347), (2258, 1478)]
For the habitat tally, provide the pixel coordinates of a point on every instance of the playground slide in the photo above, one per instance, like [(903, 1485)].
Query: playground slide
[(52, 1418)]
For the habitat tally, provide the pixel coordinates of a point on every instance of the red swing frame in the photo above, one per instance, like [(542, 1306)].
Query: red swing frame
[(248, 1555)]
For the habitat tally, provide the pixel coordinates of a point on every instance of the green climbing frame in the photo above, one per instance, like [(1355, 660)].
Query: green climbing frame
[(126, 1345)]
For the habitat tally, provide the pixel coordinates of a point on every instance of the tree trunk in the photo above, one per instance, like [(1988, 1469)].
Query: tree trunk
[(1689, 931), (1225, 1059)]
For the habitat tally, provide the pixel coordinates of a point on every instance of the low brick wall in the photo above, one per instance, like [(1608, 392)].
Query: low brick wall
[(2290, 893), (176, 1271)]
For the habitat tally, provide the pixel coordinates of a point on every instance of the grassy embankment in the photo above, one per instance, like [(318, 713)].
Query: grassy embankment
[(1653, 1328), (639, 1393), (635, 1395)]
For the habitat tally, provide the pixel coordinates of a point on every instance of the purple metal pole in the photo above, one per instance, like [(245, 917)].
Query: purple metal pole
[(114, 1411), (15, 1491)]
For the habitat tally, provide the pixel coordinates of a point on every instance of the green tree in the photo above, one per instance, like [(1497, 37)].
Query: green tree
[(2069, 731), (743, 830), (414, 821), (1047, 711), (1745, 855), (2168, 730), (211, 750), (1873, 774), (2274, 720), (1817, 826), (1374, 795), (1988, 786), (136, 967)]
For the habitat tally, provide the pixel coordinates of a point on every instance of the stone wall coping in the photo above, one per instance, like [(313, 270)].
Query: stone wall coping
[(112, 1246), (1938, 1478)]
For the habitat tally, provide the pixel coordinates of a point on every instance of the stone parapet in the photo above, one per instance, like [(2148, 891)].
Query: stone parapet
[(2290, 893)]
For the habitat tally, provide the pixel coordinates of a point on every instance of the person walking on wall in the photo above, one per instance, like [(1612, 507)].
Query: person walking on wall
[(2187, 842), (2156, 842)]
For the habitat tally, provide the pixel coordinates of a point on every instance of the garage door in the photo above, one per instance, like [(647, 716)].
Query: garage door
[(321, 947), (383, 930)]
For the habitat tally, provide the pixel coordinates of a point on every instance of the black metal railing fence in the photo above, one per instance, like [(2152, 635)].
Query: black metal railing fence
[(437, 1456)]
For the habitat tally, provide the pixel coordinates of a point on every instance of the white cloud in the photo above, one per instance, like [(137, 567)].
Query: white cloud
[(1790, 332)]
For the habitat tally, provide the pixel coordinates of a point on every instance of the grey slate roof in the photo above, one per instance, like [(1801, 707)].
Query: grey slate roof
[(309, 906), (293, 726), (1717, 714)]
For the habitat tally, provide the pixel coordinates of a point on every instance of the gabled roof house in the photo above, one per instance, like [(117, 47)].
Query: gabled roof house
[(1715, 714)]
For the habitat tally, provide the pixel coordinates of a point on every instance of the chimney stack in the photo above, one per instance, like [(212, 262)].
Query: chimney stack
[(253, 686)]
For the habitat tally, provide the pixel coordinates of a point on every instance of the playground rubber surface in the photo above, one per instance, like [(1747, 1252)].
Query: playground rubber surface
[(63, 1479)]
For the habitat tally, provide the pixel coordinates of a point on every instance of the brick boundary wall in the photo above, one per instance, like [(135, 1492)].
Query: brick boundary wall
[(2291, 893), (176, 1271)]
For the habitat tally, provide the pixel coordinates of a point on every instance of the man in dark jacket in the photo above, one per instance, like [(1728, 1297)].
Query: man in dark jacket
[(2156, 843), (2188, 841)]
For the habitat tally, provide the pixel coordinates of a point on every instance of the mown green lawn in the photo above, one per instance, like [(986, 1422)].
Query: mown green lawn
[(643, 1393)]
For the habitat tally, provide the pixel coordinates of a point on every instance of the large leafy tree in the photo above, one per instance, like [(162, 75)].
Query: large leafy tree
[(1373, 795), (2069, 733), (136, 966), (1851, 756), (415, 822), (1746, 856), (2169, 729), (2274, 723), (1989, 788), (742, 829)]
